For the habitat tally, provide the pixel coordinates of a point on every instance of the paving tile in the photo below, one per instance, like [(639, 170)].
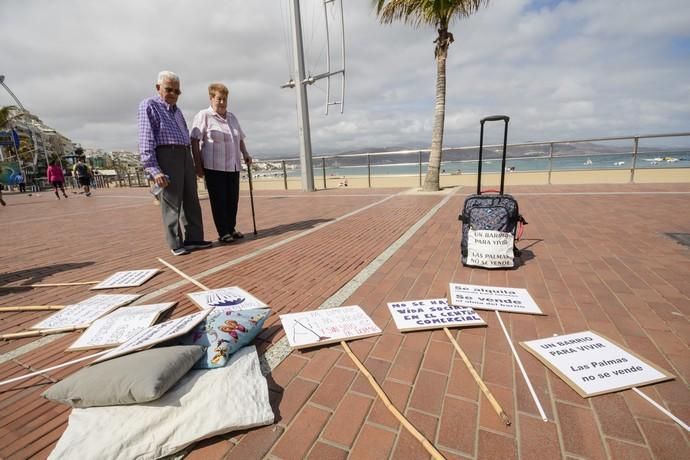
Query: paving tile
[(398, 394), (458, 426), (492, 445), (665, 440), (408, 446), (427, 395), (297, 440), (347, 419), (538, 439), (294, 397), (211, 449), (322, 451), (373, 443), (615, 418), (621, 450), (257, 442), (333, 387), (579, 431)]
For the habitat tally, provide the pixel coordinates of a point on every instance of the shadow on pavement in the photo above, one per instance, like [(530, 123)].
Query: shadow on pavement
[(34, 275)]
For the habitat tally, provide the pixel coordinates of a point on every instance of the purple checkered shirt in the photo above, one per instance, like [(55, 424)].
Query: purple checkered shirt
[(159, 124)]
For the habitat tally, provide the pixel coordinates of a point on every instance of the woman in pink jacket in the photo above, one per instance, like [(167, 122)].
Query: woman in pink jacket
[(56, 177)]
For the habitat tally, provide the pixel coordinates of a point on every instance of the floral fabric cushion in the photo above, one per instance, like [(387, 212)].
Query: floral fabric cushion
[(223, 332)]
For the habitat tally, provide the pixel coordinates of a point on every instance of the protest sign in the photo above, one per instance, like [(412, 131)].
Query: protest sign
[(131, 278), (230, 298), (490, 248), (118, 326), (415, 315), (86, 311), (156, 334), (513, 300), (319, 327), (592, 364)]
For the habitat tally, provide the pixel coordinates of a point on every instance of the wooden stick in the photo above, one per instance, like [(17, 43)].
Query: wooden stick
[(664, 411), (68, 363), (82, 283), (182, 274), (33, 308), (497, 407), (413, 431), (41, 332), (387, 402), (522, 369)]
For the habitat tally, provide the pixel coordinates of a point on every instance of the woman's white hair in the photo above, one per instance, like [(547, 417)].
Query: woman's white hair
[(166, 75)]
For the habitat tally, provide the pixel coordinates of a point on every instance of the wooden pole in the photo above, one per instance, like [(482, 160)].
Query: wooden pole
[(182, 274), (82, 283), (33, 308), (41, 332), (59, 366), (497, 407), (379, 391), (387, 402)]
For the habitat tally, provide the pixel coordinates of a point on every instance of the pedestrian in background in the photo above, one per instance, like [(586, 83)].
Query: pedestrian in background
[(218, 147), (56, 177), (165, 154), (83, 173)]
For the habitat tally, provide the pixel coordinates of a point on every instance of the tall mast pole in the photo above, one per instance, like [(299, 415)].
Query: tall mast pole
[(302, 103)]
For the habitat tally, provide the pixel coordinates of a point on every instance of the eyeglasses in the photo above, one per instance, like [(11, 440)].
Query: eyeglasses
[(172, 90)]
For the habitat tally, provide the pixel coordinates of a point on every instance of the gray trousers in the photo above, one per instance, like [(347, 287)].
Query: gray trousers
[(179, 200)]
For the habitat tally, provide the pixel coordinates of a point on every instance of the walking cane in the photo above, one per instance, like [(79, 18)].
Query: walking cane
[(251, 195)]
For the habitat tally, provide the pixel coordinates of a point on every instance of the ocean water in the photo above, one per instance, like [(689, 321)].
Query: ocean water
[(655, 160)]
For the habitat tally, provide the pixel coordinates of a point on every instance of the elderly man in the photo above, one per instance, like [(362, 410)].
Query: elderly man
[(166, 156)]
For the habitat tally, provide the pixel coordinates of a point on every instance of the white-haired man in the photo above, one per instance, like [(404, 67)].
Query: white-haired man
[(164, 148)]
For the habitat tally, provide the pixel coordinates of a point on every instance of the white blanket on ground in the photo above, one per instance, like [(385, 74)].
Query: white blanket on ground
[(202, 404)]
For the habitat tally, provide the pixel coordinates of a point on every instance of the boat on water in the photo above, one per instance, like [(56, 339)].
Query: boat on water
[(588, 162)]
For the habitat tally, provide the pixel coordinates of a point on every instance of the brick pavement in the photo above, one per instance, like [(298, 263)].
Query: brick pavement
[(596, 258)]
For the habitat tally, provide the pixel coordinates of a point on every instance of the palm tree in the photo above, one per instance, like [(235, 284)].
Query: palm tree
[(440, 14)]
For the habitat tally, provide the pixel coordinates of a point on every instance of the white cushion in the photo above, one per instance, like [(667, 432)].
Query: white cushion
[(203, 404)]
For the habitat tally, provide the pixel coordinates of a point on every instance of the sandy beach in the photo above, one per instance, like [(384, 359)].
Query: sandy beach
[(618, 176)]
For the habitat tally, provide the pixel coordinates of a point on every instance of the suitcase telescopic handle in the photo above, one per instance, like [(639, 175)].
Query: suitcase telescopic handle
[(505, 119)]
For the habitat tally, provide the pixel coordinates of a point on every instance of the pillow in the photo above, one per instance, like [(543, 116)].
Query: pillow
[(223, 332), (135, 378)]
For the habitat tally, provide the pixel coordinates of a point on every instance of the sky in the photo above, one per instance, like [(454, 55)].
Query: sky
[(562, 70)]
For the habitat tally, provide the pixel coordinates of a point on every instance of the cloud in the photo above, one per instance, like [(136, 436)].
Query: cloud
[(560, 69)]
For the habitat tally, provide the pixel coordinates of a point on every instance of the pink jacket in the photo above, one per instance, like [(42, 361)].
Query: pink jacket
[(55, 174)]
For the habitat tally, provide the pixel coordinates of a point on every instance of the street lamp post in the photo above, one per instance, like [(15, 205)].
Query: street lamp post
[(19, 104)]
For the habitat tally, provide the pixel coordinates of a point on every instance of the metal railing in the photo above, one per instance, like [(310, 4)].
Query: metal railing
[(546, 152)]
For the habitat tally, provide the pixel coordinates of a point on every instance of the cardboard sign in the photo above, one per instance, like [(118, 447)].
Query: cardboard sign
[(231, 298), (118, 326), (319, 327), (86, 311), (156, 334), (592, 364), (513, 300), (130, 278), (490, 248), (415, 315)]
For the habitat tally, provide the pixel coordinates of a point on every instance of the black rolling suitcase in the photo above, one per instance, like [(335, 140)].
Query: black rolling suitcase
[(490, 220)]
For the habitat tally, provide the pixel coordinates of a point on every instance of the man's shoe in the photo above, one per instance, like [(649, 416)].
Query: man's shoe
[(226, 239), (190, 245), (179, 251)]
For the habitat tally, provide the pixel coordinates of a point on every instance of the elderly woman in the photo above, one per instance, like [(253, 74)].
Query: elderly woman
[(217, 142)]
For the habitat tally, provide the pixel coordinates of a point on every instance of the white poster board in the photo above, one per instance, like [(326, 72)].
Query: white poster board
[(117, 327), (131, 278), (513, 300), (592, 364), (86, 311), (156, 334), (230, 298), (319, 327), (490, 248), (413, 315)]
